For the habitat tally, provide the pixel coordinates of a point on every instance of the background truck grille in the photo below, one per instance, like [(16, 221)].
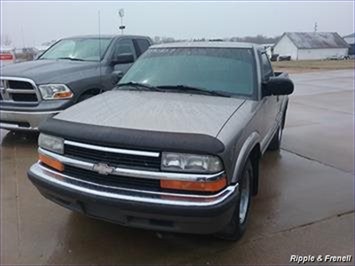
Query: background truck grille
[(113, 159), (113, 180), (12, 90)]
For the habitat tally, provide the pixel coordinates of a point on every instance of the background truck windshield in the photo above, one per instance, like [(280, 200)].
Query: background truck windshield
[(87, 49), (229, 70)]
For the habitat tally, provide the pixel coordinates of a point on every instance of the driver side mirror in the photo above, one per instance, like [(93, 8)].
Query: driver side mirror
[(122, 59), (116, 76), (277, 86)]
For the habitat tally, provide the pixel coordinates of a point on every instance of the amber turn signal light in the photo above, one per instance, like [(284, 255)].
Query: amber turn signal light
[(51, 162), (63, 94), (211, 186)]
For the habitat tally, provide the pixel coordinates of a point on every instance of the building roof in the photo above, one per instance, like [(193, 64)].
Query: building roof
[(316, 40), (6, 49), (206, 44), (350, 39), (350, 36)]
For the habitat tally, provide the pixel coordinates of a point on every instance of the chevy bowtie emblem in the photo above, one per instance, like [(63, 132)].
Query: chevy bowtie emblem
[(103, 169)]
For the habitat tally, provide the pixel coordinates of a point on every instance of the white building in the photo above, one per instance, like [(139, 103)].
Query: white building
[(311, 45), (350, 39)]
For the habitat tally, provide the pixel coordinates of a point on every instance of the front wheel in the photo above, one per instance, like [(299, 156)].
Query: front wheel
[(237, 226)]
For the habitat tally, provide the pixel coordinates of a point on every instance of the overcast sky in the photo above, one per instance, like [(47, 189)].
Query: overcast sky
[(32, 23)]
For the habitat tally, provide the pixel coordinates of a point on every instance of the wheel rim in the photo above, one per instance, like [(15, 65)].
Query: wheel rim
[(244, 198)]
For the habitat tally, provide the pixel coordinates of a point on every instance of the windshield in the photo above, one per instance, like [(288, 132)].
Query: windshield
[(85, 49), (229, 70)]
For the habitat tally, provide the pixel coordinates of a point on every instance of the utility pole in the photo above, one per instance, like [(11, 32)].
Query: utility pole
[(23, 38), (121, 14), (315, 27)]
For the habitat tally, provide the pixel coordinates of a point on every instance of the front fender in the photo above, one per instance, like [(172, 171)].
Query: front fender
[(247, 147)]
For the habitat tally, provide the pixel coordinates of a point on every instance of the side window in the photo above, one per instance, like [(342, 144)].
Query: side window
[(141, 45), (266, 67), (124, 46)]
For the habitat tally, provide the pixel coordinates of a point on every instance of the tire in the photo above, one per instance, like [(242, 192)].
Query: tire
[(237, 226), (275, 143)]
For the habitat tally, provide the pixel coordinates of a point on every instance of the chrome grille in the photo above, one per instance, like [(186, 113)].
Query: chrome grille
[(113, 180), (114, 157), (17, 90)]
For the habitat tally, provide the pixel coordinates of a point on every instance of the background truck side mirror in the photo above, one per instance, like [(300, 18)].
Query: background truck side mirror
[(277, 86), (116, 76), (122, 59)]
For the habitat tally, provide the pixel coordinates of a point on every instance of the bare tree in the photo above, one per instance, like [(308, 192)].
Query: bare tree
[(5, 40), (157, 39)]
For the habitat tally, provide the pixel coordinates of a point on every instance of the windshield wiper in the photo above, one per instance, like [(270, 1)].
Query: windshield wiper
[(71, 58), (138, 86), (186, 88)]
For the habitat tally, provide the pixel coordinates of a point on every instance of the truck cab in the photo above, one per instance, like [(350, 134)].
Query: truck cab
[(70, 71)]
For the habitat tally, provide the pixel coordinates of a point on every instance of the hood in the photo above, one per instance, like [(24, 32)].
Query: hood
[(155, 111), (47, 71)]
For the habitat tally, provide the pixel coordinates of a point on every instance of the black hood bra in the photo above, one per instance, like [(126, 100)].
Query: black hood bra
[(132, 138)]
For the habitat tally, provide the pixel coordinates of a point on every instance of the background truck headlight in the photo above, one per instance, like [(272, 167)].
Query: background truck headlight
[(51, 143), (193, 163), (55, 91)]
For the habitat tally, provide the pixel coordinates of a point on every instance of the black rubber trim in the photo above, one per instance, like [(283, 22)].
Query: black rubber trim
[(132, 138)]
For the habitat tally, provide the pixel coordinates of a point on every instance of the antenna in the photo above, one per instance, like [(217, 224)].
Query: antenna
[(121, 14), (315, 27), (99, 28)]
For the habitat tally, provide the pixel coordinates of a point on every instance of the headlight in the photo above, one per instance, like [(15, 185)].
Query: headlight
[(55, 91), (51, 143), (193, 163)]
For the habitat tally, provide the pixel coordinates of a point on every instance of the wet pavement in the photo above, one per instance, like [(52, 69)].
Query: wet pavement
[(305, 205)]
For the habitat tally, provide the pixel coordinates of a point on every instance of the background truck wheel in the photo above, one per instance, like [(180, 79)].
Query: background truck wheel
[(85, 97), (237, 226)]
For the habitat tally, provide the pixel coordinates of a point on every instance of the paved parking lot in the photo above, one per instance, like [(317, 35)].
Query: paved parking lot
[(305, 206)]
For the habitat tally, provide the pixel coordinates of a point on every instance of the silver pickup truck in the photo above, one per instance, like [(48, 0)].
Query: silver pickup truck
[(175, 146)]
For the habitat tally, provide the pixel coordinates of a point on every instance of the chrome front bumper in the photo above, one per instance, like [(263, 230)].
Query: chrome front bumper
[(159, 211), (46, 175), (13, 120), (132, 204)]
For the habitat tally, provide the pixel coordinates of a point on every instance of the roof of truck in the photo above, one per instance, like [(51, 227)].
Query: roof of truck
[(105, 36), (207, 44)]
